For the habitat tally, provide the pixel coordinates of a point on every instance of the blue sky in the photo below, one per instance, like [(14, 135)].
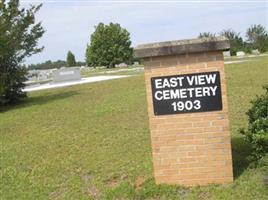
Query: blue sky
[(69, 24)]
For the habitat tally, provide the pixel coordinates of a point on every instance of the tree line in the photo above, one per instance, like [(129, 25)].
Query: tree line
[(256, 38), (55, 64)]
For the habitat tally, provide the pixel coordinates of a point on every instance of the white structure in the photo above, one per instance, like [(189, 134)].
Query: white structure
[(39, 75), (136, 63), (240, 54), (226, 54), (255, 52), (66, 74), (65, 84), (121, 65)]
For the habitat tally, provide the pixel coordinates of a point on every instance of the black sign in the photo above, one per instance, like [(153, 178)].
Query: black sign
[(189, 93)]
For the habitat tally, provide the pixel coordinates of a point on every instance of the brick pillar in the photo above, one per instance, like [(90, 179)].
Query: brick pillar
[(191, 147)]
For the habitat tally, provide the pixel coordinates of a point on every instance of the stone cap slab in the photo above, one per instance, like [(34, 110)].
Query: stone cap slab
[(178, 47)]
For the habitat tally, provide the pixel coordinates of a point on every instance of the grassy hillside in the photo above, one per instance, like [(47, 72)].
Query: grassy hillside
[(92, 141)]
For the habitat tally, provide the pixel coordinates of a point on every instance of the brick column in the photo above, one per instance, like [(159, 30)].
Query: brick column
[(188, 148)]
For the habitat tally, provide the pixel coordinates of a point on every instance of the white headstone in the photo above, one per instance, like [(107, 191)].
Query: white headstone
[(240, 54), (136, 63), (226, 54), (255, 52), (67, 74), (121, 65)]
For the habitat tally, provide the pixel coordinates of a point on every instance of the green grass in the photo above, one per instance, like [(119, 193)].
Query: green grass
[(92, 141)]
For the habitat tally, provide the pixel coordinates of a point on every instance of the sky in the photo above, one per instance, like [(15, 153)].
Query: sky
[(69, 23)]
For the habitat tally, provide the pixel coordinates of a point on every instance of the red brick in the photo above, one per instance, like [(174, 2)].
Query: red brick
[(194, 148)]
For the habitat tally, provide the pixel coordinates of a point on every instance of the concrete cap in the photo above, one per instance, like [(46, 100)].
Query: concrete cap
[(178, 47)]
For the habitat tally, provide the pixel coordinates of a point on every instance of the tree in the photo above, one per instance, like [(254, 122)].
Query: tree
[(257, 36), (19, 35), (206, 35), (70, 59), (236, 42), (109, 45)]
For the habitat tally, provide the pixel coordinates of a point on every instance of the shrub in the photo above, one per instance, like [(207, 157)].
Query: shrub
[(257, 131)]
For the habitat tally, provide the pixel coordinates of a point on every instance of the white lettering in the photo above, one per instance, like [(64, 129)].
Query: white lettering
[(211, 78), (159, 98), (166, 83), (213, 89), (175, 94), (158, 83), (173, 82), (180, 79), (190, 80), (198, 92), (201, 80), (183, 93), (166, 94)]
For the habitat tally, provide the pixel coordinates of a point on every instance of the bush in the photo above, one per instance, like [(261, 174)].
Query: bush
[(257, 132)]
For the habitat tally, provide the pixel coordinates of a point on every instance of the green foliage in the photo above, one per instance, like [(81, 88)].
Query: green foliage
[(257, 132), (109, 45), (206, 35), (70, 59), (48, 65), (236, 42), (257, 36), (52, 64), (19, 35)]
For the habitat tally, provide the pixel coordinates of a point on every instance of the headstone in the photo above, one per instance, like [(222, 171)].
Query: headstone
[(188, 111), (240, 54), (66, 74), (255, 52), (121, 65), (226, 54), (43, 75)]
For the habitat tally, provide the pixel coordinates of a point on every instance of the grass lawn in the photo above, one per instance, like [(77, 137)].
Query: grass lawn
[(92, 141)]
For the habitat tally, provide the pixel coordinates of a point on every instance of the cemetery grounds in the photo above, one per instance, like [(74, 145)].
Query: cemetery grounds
[(92, 141)]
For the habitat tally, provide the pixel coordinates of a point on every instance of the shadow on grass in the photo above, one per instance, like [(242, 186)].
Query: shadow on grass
[(240, 151), (38, 100)]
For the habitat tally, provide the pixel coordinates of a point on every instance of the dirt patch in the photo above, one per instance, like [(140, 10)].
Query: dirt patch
[(86, 178), (139, 181), (204, 195), (88, 187), (116, 181), (113, 183), (58, 194), (93, 192), (123, 176)]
